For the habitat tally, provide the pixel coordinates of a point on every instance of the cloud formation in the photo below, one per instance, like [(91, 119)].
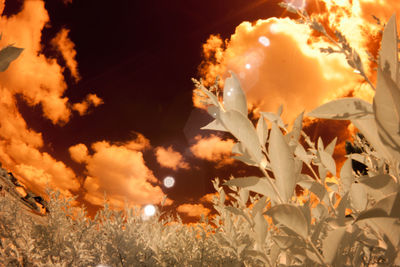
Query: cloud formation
[(213, 148), (120, 171), (169, 158), (89, 101), (193, 210), (67, 49)]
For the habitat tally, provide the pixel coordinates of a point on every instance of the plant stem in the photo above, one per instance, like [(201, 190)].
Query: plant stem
[(272, 185), (320, 257)]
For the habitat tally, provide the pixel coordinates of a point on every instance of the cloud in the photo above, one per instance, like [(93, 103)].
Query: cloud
[(169, 158), (39, 80), (78, 152), (213, 148), (91, 100), (120, 170), (193, 210), (67, 49)]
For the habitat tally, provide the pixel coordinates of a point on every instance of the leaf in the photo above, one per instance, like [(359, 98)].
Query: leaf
[(259, 206), (282, 163), (386, 106), (234, 97), (215, 125), (379, 186), (255, 184), (344, 109), (285, 242), (341, 209), (368, 128), (290, 216), (260, 228), (328, 162), (262, 131), (302, 154), (358, 197), (389, 52), (331, 243), (243, 130), (389, 227), (386, 207), (315, 187), (7, 55), (272, 117), (331, 147), (238, 212)]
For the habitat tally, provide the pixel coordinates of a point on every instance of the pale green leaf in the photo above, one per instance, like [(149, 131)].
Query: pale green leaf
[(387, 112), (331, 243), (255, 184), (369, 129), (379, 186), (389, 227), (301, 153), (272, 117), (282, 163), (259, 206), (322, 171), (344, 109), (386, 207), (328, 162), (358, 197), (346, 176), (262, 131), (388, 54), (7, 55), (242, 128), (290, 216), (234, 97), (331, 147), (215, 125), (286, 242), (260, 227), (238, 212)]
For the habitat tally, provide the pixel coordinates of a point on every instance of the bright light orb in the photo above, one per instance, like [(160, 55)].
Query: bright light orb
[(149, 210), (169, 181), (248, 66), (264, 40)]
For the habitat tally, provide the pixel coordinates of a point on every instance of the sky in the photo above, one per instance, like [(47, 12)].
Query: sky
[(101, 98)]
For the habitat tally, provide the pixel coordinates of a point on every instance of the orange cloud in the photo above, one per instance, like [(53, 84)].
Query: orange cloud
[(213, 148), (91, 100), (78, 152), (39, 80), (169, 158), (121, 172), (193, 210), (67, 49)]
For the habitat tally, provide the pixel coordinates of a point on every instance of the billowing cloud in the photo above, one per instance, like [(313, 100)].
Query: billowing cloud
[(90, 100), (78, 152), (120, 171), (38, 80), (169, 158), (67, 49), (193, 210), (213, 148)]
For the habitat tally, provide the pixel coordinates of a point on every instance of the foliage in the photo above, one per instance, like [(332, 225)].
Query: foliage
[(351, 221)]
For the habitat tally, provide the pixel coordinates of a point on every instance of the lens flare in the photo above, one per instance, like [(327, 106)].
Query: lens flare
[(169, 181), (264, 41)]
